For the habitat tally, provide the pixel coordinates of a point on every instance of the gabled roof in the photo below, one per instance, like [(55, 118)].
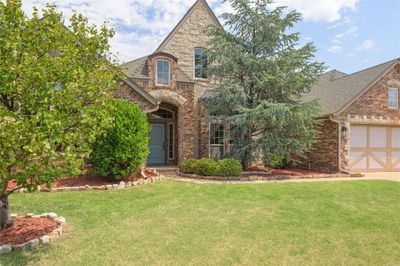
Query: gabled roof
[(132, 84), (336, 90), (186, 16), (138, 69)]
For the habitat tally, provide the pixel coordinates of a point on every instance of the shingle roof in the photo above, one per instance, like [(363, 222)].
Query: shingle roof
[(139, 69), (335, 89)]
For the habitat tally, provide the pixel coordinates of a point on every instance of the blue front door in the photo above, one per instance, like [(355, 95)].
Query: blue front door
[(157, 144)]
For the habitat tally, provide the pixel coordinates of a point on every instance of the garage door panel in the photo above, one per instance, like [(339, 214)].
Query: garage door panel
[(377, 137), (374, 148), (396, 138), (358, 137)]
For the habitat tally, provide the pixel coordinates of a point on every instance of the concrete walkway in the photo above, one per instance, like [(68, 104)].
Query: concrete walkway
[(389, 176)]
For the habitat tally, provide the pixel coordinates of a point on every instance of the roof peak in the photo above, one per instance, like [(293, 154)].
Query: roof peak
[(183, 19)]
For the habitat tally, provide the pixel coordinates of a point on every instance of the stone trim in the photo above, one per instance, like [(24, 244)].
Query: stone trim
[(365, 119), (39, 241), (121, 185)]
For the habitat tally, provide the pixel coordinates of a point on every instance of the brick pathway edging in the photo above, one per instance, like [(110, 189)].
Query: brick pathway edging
[(121, 185), (263, 178), (39, 241)]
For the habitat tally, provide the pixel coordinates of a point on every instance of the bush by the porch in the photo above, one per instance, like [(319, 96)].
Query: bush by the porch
[(123, 149), (212, 167)]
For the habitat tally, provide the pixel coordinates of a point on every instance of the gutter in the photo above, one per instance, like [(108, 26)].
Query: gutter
[(154, 109), (331, 117)]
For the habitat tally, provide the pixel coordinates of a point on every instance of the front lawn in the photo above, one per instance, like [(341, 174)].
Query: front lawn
[(178, 223)]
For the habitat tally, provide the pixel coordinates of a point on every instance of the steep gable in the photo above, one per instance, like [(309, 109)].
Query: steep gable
[(189, 34)]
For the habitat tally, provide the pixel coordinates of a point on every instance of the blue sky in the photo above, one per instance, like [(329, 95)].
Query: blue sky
[(350, 35)]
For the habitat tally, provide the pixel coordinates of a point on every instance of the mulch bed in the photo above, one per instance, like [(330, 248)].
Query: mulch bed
[(26, 229), (82, 180)]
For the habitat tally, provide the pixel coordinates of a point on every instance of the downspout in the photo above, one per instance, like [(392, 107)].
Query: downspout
[(331, 117)]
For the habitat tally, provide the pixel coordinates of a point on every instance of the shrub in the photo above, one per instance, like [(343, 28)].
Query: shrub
[(123, 149), (280, 161), (229, 167), (206, 167), (212, 167), (189, 166)]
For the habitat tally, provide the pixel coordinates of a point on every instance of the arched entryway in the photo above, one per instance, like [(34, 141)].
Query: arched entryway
[(163, 143)]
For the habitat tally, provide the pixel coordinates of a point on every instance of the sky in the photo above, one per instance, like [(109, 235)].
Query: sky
[(350, 35)]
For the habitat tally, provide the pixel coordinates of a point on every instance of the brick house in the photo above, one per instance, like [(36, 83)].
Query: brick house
[(361, 126)]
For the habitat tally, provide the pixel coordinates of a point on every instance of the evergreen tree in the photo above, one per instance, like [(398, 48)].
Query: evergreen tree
[(261, 74)]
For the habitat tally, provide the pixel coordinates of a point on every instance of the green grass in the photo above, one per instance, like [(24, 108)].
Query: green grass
[(177, 223)]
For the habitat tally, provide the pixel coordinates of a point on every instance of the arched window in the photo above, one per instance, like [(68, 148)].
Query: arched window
[(162, 114), (200, 63), (163, 72)]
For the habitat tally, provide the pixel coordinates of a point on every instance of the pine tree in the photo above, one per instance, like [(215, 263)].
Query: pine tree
[(261, 73)]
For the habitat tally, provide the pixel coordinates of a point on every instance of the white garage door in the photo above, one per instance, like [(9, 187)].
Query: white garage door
[(374, 148)]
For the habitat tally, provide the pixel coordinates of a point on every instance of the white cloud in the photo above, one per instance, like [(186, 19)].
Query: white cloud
[(335, 49), (142, 24), (366, 45)]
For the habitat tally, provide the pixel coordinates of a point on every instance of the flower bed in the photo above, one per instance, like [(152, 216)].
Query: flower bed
[(259, 175), (31, 231), (89, 182)]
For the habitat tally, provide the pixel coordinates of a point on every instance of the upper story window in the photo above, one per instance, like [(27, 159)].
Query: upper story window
[(393, 94), (200, 63), (163, 75)]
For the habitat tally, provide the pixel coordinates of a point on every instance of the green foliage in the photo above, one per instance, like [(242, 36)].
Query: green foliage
[(280, 161), (189, 166), (229, 167), (123, 149), (212, 167), (263, 73), (53, 80), (206, 167)]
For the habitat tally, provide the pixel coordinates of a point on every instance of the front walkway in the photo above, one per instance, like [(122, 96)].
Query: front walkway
[(389, 176)]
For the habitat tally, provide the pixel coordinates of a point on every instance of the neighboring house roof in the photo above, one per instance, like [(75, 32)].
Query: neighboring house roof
[(187, 15), (139, 69), (336, 90)]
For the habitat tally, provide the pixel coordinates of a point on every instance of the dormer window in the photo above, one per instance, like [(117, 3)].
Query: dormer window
[(200, 63), (163, 75), (393, 94)]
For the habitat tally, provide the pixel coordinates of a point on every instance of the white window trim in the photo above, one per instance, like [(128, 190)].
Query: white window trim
[(169, 73), (397, 98), (194, 65)]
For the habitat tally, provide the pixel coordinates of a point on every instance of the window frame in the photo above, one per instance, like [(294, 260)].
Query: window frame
[(169, 72), (396, 99), (171, 141), (194, 63)]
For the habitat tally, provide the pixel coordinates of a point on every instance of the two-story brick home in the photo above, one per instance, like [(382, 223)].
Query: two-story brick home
[(361, 130)]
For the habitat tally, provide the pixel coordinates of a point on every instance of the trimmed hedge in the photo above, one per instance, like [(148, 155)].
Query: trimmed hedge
[(212, 167), (124, 148)]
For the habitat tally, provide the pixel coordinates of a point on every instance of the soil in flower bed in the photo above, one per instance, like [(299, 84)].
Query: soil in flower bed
[(26, 229)]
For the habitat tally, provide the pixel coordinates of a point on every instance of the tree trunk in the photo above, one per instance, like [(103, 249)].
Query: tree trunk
[(5, 216)]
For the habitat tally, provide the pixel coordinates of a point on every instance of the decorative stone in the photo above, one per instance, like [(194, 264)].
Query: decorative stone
[(61, 220), (13, 216), (52, 215), (81, 188), (20, 247), (121, 185), (129, 184), (5, 249), (33, 244), (44, 239), (38, 188), (87, 187), (29, 215), (109, 187)]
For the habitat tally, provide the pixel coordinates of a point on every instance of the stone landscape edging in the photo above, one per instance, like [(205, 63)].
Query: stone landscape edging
[(38, 241), (264, 178), (121, 185)]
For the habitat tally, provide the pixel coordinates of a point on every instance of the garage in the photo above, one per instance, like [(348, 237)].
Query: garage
[(374, 148)]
